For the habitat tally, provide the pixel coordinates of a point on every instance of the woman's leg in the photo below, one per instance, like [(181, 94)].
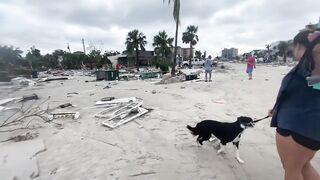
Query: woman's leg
[(206, 75), (310, 173), (294, 157)]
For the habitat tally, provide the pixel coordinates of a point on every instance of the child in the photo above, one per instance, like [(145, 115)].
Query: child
[(251, 63)]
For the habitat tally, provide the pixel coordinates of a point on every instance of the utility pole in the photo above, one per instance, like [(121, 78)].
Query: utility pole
[(268, 51), (84, 49), (68, 47)]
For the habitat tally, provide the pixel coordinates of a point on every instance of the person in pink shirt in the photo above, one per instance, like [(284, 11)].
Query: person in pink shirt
[(251, 63)]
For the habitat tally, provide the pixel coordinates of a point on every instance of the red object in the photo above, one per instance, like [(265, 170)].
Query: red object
[(251, 62), (118, 66)]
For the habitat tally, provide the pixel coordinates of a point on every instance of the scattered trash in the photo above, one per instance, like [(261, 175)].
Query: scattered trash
[(54, 79), (116, 101), (65, 105), (219, 101), (30, 97), (72, 93), (118, 121), (21, 81), (7, 101), (27, 136), (107, 99), (107, 87), (73, 115), (119, 109), (167, 79), (191, 77), (121, 112)]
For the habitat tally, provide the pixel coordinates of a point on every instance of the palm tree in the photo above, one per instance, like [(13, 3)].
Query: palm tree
[(136, 41), (198, 54), (176, 17), (283, 50), (162, 44), (268, 46), (190, 37), (9, 56)]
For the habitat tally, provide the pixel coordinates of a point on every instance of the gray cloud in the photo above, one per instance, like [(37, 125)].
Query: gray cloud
[(247, 24)]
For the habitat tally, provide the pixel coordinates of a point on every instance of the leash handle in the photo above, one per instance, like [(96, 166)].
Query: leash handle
[(258, 120)]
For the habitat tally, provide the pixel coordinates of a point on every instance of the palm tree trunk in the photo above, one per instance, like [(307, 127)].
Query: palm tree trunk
[(137, 59), (190, 56), (285, 56), (173, 69)]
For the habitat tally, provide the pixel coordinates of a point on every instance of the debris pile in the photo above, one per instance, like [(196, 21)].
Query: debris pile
[(120, 111), (168, 79)]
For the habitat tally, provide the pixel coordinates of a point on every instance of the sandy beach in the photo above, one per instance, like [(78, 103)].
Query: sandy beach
[(156, 146)]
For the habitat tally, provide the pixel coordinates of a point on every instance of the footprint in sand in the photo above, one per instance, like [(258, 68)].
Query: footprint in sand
[(176, 96), (54, 171), (200, 106)]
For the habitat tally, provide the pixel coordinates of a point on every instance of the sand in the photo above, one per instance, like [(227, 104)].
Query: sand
[(157, 145)]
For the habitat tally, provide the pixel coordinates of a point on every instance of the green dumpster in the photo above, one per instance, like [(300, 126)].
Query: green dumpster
[(111, 75), (149, 75)]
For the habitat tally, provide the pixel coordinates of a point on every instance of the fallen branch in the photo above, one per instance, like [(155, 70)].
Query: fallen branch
[(24, 113)]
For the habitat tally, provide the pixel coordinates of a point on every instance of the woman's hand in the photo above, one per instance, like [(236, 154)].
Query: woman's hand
[(270, 113)]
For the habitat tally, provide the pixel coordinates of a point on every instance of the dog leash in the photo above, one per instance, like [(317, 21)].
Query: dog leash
[(258, 120)]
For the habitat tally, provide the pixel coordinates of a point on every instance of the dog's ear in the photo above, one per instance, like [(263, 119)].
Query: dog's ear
[(245, 119), (241, 118)]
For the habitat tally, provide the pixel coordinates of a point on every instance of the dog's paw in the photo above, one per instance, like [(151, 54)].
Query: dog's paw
[(240, 160), (220, 151), (212, 139)]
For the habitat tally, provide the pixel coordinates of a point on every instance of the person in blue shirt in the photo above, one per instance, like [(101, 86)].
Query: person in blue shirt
[(208, 67), (296, 113)]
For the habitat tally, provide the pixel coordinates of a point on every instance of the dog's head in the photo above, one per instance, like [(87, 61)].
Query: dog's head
[(245, 122)]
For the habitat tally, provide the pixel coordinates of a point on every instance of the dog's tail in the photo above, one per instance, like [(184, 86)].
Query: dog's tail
[(193, 130)]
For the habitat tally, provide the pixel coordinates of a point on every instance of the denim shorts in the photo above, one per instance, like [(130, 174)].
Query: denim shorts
[(304, 141), (249, 70)]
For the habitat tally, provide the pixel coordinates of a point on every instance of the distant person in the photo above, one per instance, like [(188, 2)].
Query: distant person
[(296, 113), (118, 66), (251, 63), (208, 68), (179, 61)]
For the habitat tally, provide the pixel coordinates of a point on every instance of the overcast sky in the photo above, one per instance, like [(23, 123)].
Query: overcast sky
[(243, 24)]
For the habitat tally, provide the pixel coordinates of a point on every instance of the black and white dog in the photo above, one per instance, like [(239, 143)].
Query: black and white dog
[(225, 132)]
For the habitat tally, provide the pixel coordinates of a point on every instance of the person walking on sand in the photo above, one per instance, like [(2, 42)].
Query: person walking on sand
[(296, 113), (208, 68), (251, 63)]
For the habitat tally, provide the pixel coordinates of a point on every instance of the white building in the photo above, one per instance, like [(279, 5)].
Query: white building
[(229, 53)]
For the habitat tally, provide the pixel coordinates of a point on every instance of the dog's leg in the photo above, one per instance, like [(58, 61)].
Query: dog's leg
[(212, 139), (200, 140), (222, 147), (236, 144)]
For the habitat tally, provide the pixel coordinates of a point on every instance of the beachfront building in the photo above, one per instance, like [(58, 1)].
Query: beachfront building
[(183, 52), (229, 53), (129, 60)]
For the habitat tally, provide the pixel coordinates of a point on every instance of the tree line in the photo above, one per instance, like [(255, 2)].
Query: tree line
[(12, 58)]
